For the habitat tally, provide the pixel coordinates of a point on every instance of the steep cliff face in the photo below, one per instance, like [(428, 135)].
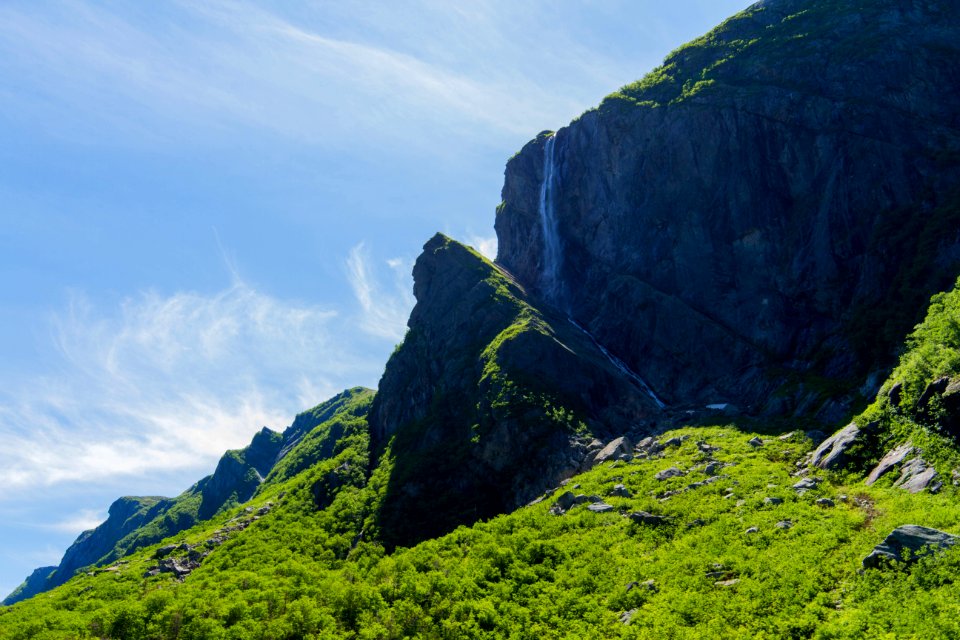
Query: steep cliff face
[(489, 400), (762, 218)]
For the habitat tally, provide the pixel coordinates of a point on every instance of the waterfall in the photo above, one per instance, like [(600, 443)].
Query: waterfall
[(622, 366), (552, 256), (550, 284)]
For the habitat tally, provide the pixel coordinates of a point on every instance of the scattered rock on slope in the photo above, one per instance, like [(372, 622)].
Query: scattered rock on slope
[(917, 540)]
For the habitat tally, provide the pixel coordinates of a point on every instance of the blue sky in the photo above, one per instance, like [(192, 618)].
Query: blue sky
[(209, 211)]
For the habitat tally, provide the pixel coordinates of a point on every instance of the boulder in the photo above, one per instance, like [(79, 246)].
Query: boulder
[(600, 507), (643, 517), (832, 452), (621, 491), (934, 388), (917, 540), (755, 442), (893, 458), (916, 475), (614, 449), (164, 551), (563, 503), (672, 472), (895, 394)]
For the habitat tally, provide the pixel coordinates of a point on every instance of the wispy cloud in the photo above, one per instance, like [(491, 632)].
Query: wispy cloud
[(78, 522), (385, 307), (314, 76), (171, 381), (486, 245)]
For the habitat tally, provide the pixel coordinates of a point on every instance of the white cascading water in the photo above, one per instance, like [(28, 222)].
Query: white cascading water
[(550, 283), (622, 366), (552, 255)]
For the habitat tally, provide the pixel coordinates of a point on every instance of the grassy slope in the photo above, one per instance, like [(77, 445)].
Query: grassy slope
[(532, 574)]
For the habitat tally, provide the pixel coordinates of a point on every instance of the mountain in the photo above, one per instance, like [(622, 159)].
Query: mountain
[(135, 522), (780, 193), (617, 429)]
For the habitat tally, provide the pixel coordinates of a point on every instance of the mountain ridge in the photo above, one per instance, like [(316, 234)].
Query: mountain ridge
[(614, 429)]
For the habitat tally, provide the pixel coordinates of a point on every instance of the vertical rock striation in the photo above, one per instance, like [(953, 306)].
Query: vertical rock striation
[(761, 219)]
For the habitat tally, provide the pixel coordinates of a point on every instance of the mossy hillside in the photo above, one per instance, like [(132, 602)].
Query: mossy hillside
[(931, 351), (531, 574), (326, 437), (744, 50), (484, 399)]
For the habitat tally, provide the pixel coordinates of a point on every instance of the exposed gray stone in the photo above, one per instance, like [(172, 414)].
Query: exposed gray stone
[(832, 452), (825, 502), (915, 476), (752, 530), (600, 507), (164, 551), (672, 472), (772, 500), (784, 524), (727, 583), (563, 503), (806, 484), (614, 449), (621, 491), (893, 458), (755, 442), (935, 388), (895, 393), (915, 539), (643, 517)]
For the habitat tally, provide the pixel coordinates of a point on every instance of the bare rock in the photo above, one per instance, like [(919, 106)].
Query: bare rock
[(621, 491), (893, 458), (832, 452), (643, 517), (672, 472), (614, 449), (915, 476), (919, 541)]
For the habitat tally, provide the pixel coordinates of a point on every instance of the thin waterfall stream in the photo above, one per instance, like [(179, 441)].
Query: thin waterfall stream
[(550, 283), (552, 252)]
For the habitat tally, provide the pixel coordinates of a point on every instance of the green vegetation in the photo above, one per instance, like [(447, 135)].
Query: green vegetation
[(932, 352), (299, 572)]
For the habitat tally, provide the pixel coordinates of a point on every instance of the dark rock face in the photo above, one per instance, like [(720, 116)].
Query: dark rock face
[(35, 583), (239, 473), (736, 226), (486, 398), (917, 540), (124, 517)]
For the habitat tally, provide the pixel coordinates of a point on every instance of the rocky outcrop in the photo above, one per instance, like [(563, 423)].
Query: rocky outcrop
[(489, 398), (721, 229), (832, 452), (916, 540), (917, 475), (893, 458)]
